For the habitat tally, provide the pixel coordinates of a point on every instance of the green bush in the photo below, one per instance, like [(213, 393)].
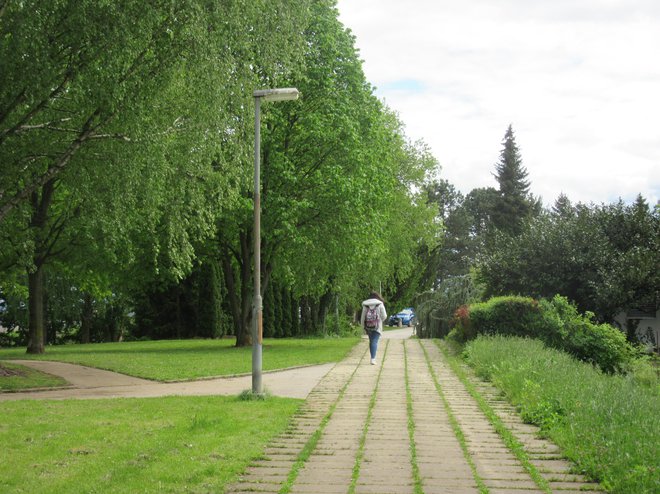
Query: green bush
[(516, 316), (583, 338), (556, 322)]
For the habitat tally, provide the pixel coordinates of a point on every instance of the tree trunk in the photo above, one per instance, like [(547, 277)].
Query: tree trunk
[(179, 322), (324, 306), (40, 205), (235, 303), (246, 295), (36, 310), (631, 330), (86, 318)]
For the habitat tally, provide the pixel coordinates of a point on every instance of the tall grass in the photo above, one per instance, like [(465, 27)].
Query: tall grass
[(607, 424)]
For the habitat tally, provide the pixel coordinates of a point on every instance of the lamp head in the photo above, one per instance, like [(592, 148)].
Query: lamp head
[(277, 94)]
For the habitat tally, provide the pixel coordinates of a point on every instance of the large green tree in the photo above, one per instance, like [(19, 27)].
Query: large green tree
[(120, 130), (336, 176)]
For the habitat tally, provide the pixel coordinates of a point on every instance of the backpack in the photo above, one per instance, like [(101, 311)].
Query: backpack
[(371, 318)]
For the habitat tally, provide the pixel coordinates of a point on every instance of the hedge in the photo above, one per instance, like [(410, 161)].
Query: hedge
[(556, 322)]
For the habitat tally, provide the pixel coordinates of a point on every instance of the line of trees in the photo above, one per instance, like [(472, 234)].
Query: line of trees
[(126, 134), (604, 258), (126, 142)]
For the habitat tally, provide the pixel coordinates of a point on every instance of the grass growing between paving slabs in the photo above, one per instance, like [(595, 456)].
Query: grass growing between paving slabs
[(15, 377), (173, 444), (458, 432), (363, 437), (311, 443), (605, 424), (417, 489), (511, 442), (172, 360)]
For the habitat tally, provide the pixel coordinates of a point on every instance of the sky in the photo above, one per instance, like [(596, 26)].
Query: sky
[(579, 81)]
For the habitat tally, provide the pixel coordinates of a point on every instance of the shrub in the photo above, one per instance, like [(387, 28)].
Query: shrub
[(516, 316), (556, 322), (435, 309), (585, 339)]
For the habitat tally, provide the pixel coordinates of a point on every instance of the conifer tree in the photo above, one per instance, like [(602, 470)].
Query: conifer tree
[(515, 204)]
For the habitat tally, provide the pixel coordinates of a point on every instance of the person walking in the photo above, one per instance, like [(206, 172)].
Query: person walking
[(372, 318)]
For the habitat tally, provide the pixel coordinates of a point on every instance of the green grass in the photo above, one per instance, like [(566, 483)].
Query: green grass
[(15, 377), (606, 424), (174, 444), (172, 360)]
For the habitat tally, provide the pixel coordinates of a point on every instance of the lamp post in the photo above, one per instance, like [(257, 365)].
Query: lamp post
[(280, 94)]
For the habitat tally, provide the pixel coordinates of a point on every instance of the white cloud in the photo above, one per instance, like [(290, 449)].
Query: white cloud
[(578, 79)]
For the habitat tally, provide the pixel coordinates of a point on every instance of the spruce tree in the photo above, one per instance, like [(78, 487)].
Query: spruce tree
[(515, 204)]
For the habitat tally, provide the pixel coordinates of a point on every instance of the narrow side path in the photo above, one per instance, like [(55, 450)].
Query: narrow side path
[(90, 383)]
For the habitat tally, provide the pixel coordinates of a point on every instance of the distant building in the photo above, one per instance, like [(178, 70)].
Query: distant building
[(648, 325)]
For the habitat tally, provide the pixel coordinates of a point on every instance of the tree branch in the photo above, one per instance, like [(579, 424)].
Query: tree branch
[(53, 170), (18, 99), (40, 106)]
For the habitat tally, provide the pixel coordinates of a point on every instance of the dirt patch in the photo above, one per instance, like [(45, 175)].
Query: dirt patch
[(9, 372)]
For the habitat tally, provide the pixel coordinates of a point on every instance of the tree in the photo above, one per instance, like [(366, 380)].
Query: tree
[(103, 138), (514, 205), (335, 168), (604, 258)]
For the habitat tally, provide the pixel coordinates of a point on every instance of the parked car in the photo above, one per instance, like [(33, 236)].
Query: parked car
[(406, 316)]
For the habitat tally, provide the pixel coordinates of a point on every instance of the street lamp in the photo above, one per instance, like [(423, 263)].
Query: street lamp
[(280, 94)]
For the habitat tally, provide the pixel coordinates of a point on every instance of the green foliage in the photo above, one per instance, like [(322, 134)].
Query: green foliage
[(288, 308), (342, 327), (189, 309), (583, 338), (270, 321), (602, 257), (511, 315), (173, 444), (436, 309), (514, 205), (556, 322), (605, 424)]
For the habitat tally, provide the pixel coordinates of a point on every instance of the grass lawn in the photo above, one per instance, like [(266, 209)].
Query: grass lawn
[(606, 424), (171, 360), (16, 377), (173, 444)]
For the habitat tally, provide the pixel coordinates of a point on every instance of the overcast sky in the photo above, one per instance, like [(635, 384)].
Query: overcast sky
[(579, 80)]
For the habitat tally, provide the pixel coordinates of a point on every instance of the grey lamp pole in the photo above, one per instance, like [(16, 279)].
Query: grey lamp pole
[(282, 94)]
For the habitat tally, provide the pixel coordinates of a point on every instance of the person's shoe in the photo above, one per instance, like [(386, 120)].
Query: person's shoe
[(373, 361)]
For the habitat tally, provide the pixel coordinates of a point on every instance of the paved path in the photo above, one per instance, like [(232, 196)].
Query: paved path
[(90, 383), (405, 426)]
